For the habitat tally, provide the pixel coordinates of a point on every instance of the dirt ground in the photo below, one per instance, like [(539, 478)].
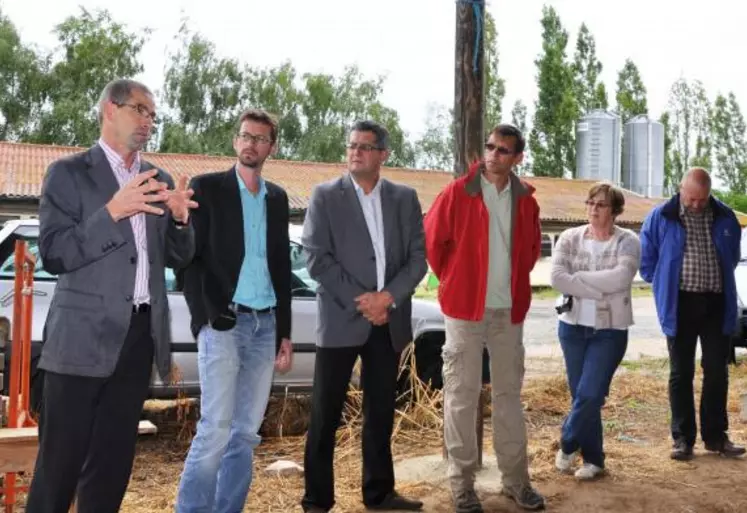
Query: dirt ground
[(640, 477)]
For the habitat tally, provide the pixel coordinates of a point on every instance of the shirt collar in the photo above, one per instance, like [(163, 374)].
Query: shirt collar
[(486, 184), (359, 189), (686, 213), (111, 154), (243, 188)]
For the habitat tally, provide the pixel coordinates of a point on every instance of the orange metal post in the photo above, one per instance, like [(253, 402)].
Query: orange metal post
[(20, 361)]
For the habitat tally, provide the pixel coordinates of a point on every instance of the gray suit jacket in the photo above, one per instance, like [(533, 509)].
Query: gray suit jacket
[(341, 259), (95, 258)]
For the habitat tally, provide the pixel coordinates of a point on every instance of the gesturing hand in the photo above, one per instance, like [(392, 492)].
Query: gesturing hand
[(179, 201), (136, 196)]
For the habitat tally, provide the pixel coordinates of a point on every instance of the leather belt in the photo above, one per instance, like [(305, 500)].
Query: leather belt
[(141, 308), (246, 309)]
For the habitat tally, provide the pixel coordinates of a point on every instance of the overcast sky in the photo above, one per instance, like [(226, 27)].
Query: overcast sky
[(412, 41)]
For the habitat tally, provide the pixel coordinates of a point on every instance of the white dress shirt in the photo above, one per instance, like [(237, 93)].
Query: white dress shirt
[(371, 205), (141, 294)]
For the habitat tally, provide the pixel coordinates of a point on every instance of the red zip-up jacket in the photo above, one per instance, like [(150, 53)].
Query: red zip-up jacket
[(457, 245)]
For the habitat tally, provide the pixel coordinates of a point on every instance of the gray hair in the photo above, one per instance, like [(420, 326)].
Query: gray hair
[(381, 133), (118, 91)]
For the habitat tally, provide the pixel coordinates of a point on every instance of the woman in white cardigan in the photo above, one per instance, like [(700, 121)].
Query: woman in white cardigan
[(593, 266)]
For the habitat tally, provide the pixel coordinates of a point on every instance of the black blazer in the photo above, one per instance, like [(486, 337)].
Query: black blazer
[(210, 280)]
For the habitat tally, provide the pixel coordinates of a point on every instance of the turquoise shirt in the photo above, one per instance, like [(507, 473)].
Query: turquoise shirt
[(255, 287)]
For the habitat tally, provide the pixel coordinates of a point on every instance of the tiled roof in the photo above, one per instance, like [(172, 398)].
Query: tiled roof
[(22, 167)]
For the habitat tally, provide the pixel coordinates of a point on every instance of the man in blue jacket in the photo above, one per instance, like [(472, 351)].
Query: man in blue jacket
[(689, 251)]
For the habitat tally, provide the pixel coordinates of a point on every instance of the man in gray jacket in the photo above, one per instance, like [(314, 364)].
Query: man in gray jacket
[(109, 224), (366, 248)]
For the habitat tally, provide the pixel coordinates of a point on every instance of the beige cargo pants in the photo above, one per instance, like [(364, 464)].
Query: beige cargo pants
[(462, 373)]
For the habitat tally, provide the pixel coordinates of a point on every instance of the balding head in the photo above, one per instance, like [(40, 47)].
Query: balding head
[(695, 189)]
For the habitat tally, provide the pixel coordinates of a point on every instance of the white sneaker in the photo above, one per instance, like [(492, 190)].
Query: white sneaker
[(589, 471), (565, 462)]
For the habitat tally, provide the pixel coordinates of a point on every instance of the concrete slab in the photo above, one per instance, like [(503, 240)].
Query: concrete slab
[(432, 469)]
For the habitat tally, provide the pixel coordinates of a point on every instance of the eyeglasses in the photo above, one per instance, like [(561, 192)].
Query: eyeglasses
[(502, 150), (141, 109), (257, 139), (597, 204), (362, 147)]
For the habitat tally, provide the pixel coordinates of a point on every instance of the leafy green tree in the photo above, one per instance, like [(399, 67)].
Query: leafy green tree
[(729, 146), (668, 163), (23, 85), (519, 120), (330, 105), (590, 91), (631, 93), (275, 90), (690, 123), (93, 50), (435, 147), (495, 86), (552, 141), (204, 95)]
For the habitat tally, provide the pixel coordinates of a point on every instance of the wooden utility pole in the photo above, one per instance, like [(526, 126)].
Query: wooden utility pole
[(469, 80), (469, 100)]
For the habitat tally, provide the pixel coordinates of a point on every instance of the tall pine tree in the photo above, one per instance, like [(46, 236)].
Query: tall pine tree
[(552, 141), (729, 146), (590, 91), (631, 93), (495, 87)]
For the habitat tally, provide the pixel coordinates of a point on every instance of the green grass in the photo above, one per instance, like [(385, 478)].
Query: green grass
[(537, 292), (647, 364)]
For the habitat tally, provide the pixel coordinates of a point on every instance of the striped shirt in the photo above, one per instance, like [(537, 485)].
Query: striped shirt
[(141, 294)]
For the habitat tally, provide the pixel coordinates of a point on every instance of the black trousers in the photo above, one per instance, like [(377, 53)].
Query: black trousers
[(699, 315), (88, 431), (333, 367)]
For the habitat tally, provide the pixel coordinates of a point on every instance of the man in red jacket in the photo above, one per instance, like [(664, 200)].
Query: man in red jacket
[(482, 241)]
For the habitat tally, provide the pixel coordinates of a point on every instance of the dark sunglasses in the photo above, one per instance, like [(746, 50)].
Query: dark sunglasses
[(502, 150)]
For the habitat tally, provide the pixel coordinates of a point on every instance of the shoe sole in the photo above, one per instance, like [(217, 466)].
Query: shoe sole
[(682, 456), (726, 455), (523, 506), (472, 510), (590, 478)]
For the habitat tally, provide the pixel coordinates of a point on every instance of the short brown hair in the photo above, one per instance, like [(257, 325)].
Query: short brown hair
[(260, 116), (612, 194), (507, 130)]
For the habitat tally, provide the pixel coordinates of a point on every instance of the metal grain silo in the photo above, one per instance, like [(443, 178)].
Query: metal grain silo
[(643, 156), (598, 146)]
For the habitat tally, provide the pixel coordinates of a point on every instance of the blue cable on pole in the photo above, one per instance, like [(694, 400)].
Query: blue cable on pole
[(476, 8)]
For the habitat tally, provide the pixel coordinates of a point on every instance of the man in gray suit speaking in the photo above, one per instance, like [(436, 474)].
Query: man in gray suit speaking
[(364, 240), (109, 223)]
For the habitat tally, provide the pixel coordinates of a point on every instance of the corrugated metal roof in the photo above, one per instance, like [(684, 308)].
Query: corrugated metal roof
[(22, 167)]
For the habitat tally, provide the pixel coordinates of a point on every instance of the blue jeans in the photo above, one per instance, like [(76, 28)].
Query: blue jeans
[(591, 359), (236, 369)]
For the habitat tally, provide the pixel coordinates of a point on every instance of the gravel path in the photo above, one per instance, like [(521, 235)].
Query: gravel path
[(646, 338)]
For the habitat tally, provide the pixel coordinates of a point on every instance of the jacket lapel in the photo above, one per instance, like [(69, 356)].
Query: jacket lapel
[(388, 215), (233, 217), (351, 198), (102, 175), (151, 220)]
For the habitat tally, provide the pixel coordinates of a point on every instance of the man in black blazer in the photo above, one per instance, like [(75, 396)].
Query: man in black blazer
[(238, 289), (366, 248), (107, 228)]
